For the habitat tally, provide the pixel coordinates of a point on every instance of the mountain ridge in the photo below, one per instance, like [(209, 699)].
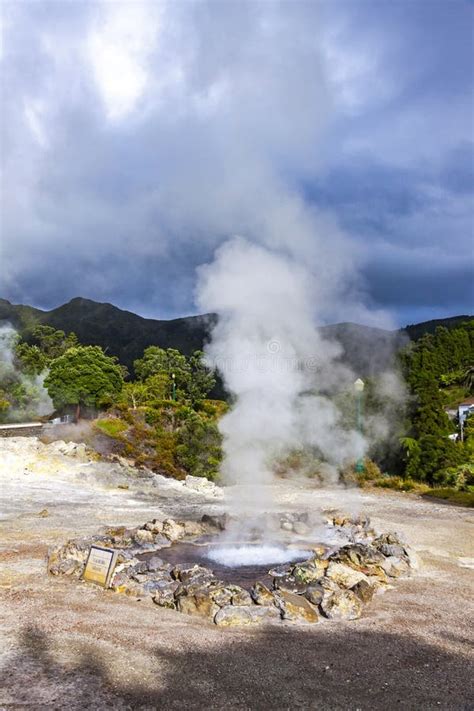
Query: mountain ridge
[(126, 335)]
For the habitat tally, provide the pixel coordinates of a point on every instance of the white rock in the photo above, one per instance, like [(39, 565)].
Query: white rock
[(300, 528), (344, 575), (143, 536), (173, 530), (203, 486)]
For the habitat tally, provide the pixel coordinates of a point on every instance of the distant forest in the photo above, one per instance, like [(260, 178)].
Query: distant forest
[(161, 408)]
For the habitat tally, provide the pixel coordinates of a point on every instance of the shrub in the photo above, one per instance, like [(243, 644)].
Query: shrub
[(460, 477), (461, 498), (199, 447), (111, 426)]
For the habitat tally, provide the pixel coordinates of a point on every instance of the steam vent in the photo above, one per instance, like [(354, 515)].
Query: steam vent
[(175, 563)]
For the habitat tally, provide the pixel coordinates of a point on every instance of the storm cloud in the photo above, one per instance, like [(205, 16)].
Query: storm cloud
[(138, 136)]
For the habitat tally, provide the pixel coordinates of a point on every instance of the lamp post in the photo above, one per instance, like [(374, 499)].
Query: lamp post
[(359, 389), (173, 387)]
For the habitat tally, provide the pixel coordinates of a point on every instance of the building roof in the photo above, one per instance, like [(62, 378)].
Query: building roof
[(469, 401)]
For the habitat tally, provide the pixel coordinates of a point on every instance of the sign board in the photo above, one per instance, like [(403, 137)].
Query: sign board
[(100, 565)]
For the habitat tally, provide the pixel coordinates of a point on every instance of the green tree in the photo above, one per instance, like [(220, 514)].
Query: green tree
[(31, 359), (158, 361), (145, 393), (467, 379), (51, 342), (433, 455), (192, 378), (427, 444), (48, 344), (84, 375), (198, 447), (202, 378)]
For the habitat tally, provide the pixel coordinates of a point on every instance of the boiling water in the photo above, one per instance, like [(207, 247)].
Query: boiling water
[(237, 556), (242, 568)]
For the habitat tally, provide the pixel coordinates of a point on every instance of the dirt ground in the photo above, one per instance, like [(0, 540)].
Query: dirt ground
[(69, 645)]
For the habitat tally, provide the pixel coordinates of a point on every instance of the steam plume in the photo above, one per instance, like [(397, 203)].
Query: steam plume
[(33, 398)]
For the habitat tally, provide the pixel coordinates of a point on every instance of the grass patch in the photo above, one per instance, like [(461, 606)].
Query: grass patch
[(461, 498), (111, 426), (446, 493), (397, 483)]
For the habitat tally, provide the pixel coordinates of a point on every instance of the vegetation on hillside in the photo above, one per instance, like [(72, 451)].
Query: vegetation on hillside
[(84, 376), (432, 366), (161, 415)]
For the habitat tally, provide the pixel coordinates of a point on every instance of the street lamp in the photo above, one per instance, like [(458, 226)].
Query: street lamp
[(359, 389), (173, 387)]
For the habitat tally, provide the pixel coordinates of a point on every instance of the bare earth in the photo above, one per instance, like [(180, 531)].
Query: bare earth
[(70, 645)]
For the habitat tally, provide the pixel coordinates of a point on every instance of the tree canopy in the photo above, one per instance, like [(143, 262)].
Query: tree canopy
[(84, 375), (192, 379), (435, 366)]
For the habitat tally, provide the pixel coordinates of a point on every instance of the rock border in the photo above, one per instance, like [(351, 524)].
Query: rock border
[(334, 583)]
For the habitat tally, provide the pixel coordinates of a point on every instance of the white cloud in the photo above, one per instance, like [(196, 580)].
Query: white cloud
[(119, 46), (137, 136)]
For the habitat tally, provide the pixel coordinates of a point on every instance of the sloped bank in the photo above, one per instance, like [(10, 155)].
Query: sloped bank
[(335, 582)]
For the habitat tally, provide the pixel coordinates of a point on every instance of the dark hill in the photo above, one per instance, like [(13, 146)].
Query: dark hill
[(126, 335), (367, 350), (120, 333), (417, 330)]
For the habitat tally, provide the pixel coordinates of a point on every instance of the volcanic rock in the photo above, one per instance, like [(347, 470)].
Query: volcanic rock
[(364, 590), (314, 593), (344, 575), (68, 567), (143, 536), (297, 608), (342, 605), (290, 584), (187, 575), (392, 549), (359, 555), (193, 528), (261, 595), (391, 538), (394, 566), (310, 571), (203, 486), (154, 526), (231, 615), (200, 603), (132, 588), (161, 541), (140, 567), (240, 596), (280, 571), (154, 563), (173, 530), (320, 550), (164, 594), (69, 559), (218, 522), (221, 595), (119, 581)]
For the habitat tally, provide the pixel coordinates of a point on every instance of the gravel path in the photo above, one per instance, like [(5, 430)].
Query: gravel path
[(69, 645)]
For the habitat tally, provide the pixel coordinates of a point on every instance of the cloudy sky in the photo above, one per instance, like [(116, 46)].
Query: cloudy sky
[(138, 136)]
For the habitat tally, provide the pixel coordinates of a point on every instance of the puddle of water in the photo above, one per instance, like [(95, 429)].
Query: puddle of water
[(189, 554)]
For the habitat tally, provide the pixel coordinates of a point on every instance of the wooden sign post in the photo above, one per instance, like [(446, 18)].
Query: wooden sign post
[(100, 565)]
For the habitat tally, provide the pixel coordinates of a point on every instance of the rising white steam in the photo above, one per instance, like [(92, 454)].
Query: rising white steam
[(278, 368), (31, 398), (284, 378)]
